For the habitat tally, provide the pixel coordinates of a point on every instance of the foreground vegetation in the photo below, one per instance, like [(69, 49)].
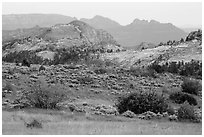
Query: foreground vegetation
[(60, 123)]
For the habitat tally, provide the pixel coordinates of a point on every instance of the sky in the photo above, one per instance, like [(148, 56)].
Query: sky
[(181, 14)]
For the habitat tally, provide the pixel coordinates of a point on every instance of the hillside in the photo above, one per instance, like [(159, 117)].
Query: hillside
[(38, 44), (147, 53), (185, 51)]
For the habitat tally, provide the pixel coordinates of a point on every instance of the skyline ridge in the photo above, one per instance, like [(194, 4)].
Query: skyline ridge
[(110, 19), (180, 14)]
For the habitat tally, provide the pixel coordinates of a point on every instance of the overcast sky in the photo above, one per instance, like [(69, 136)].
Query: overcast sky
[(180, 14)]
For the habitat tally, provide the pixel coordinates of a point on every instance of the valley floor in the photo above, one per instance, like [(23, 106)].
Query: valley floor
[(62, 122)]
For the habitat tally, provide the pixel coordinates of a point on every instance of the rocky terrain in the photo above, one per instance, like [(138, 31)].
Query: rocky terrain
[(185, 51)]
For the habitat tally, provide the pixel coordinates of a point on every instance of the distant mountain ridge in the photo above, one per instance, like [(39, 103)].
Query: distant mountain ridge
[(130, 35), (139, 31), (19, 21), (100, 22)]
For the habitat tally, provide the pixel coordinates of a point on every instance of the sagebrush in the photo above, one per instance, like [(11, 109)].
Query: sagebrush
[(187, 112), (140, 102), (191, 86), (42, 96), (180, 97)]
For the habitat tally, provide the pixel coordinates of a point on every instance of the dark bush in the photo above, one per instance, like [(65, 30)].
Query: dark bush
[(34, 124), (41, 68), (156, 67), (140, 102), (25, 63), (191, 86), (100, 71), (85, 80), (186, 112), (182, 40), (180, 98)]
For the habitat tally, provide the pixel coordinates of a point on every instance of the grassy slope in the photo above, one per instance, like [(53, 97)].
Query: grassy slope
[(80, 123)]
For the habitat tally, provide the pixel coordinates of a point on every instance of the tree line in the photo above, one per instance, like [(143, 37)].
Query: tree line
[(192, 68)]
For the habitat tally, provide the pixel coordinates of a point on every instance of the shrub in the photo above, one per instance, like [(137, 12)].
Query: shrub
[(179, 97), (142, 102), (40, 96), (171, 110), (191, 86), (129, 114), (100, 71), (173, 118), (85, 80), (144, 72), (25, 63), (34, 124), (186, 112), (156, 67), (41, 68)]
